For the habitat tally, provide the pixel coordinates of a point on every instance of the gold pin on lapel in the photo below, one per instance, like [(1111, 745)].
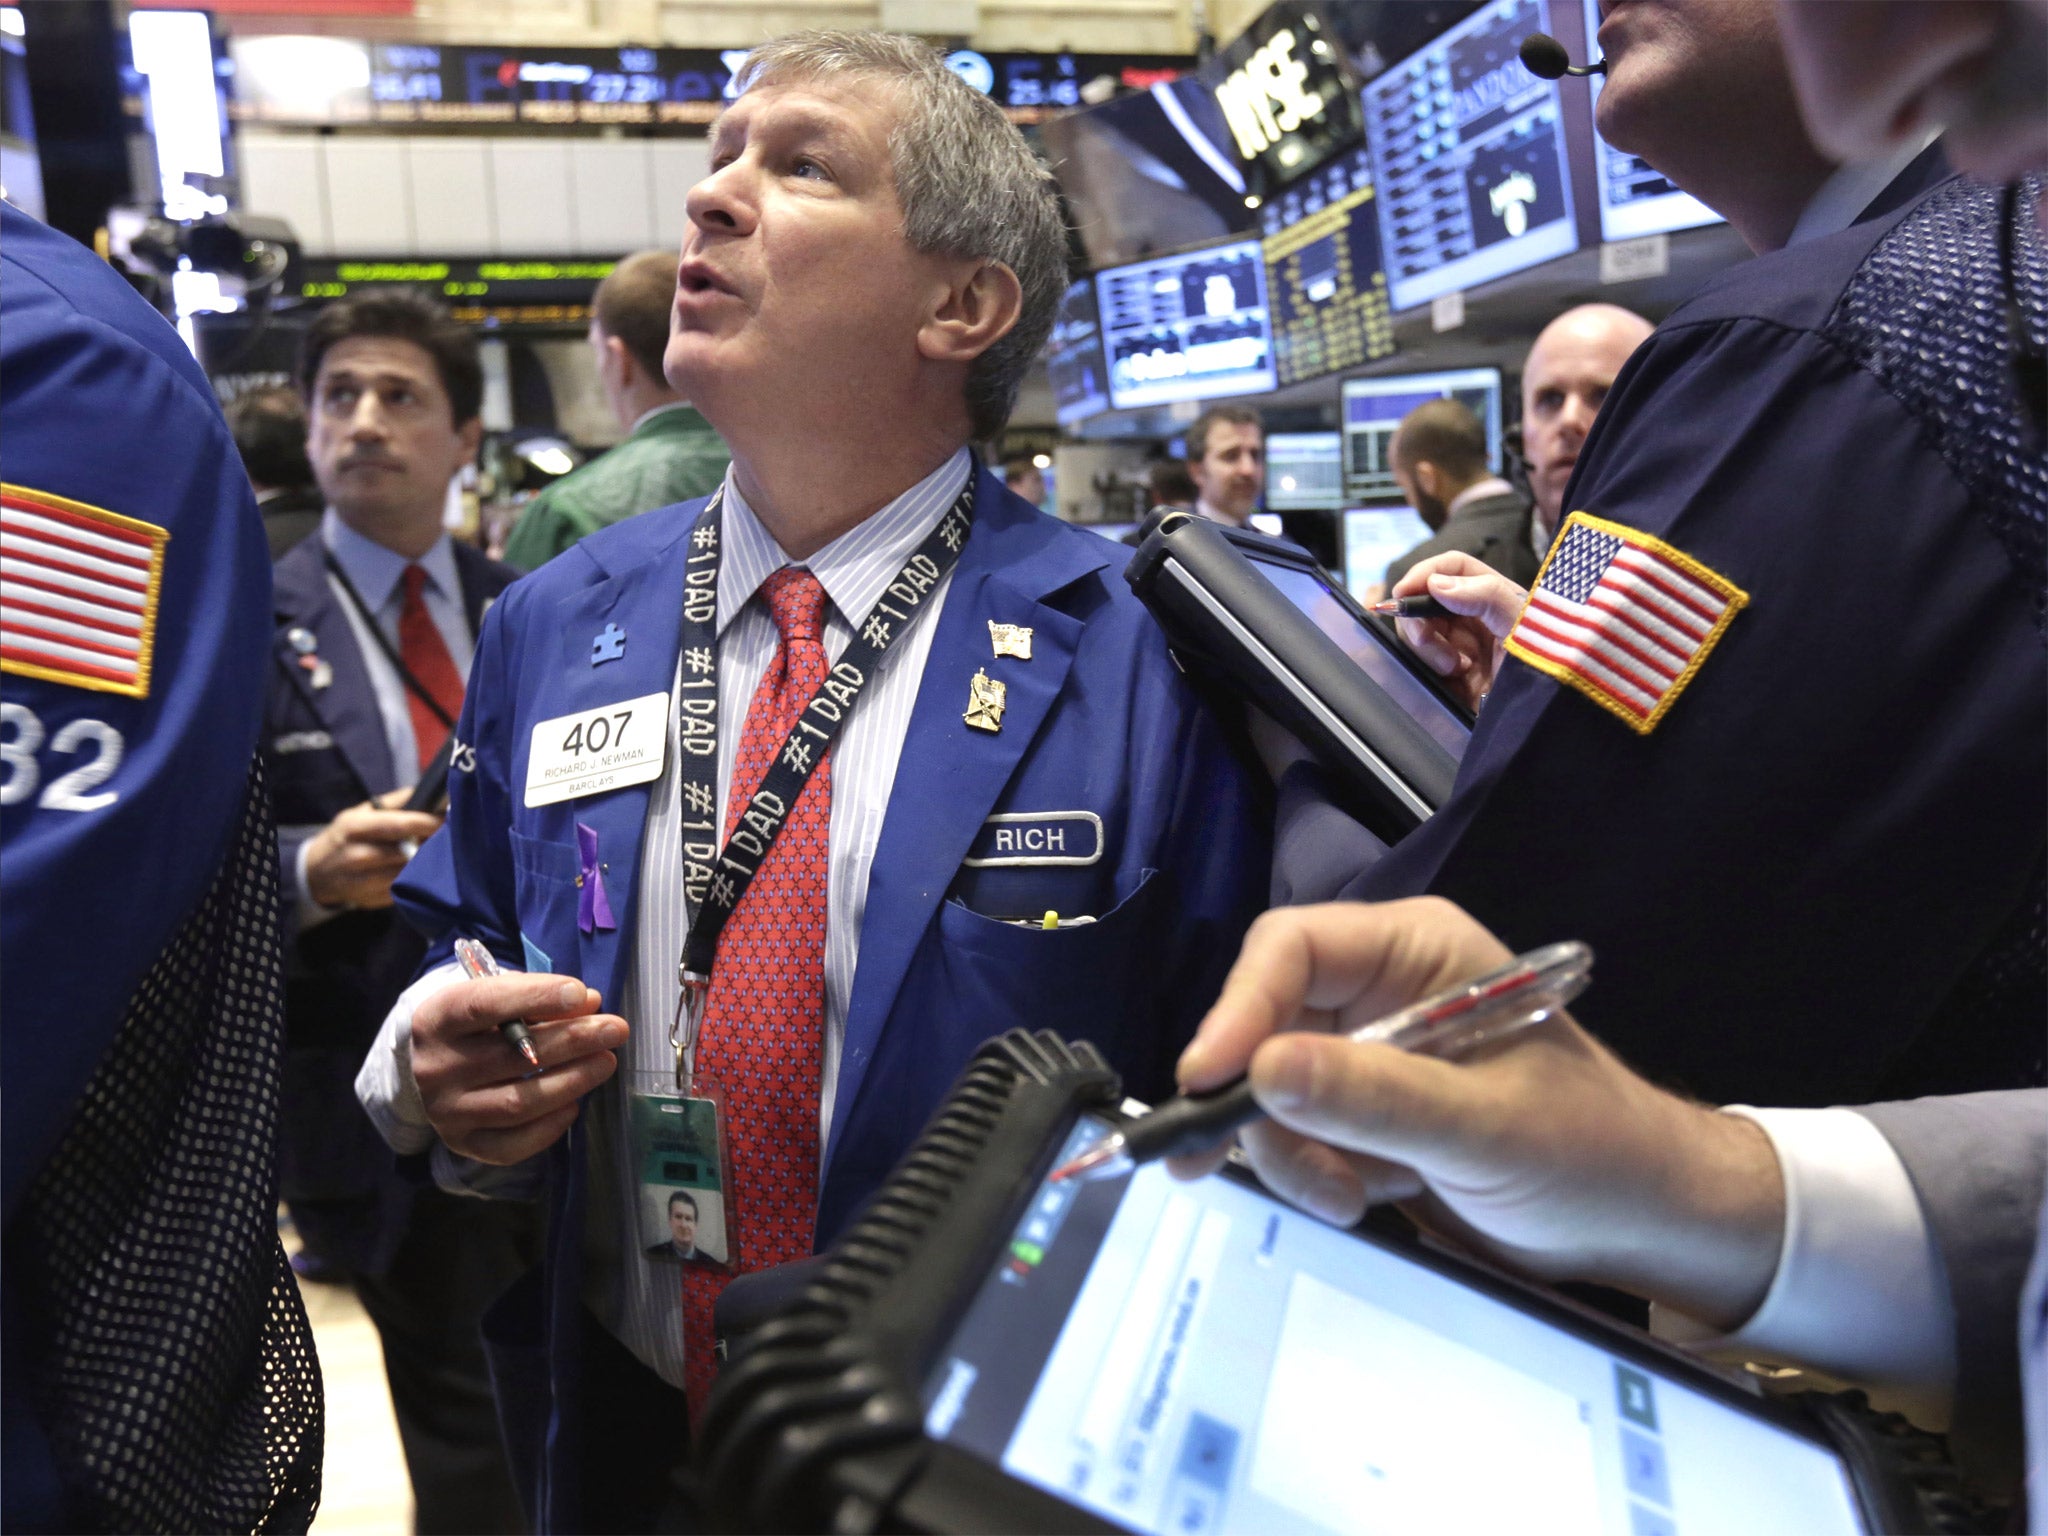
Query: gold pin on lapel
[(1010, 639), (985, 702)]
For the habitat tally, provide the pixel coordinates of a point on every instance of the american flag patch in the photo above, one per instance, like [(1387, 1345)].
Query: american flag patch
[(1622, 617), (78, 592)]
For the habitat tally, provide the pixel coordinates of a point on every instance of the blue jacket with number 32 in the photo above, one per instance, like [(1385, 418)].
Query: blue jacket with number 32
[(1099, 721)]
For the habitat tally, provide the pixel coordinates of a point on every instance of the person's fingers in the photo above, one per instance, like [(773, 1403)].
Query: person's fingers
[(502, 1148), (375, 826), (476, 1007), (1490, 598), (1415, 581), (1358, 958), (1319, 1179), (488, 1057)]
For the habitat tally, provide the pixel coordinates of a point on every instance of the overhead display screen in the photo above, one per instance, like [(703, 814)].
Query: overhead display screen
[(1285, 93), (1469, 158), (1373, 408), (1634, 199), (1073, 357), (1323, 270), (1304, 471), (1189, 327)]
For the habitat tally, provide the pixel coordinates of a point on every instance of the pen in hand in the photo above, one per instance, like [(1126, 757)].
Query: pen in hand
[(1423, 607), (1452, 1023), (477, 963)]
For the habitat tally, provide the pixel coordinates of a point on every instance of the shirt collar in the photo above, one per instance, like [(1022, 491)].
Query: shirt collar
[(853, 568), (1217, 515), (1853, 188), (375, 571), (646, 416), (1479, 490)]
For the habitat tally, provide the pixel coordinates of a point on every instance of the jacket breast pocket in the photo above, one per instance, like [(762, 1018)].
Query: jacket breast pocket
[(544, 879), (1089, 981)]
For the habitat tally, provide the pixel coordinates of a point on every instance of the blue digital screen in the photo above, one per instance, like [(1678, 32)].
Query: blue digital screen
[(1074, 360), (1189, 327), (1373, 408), (1469, 159)]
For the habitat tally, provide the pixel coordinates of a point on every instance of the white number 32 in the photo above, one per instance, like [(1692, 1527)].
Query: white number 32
[(68, 792)]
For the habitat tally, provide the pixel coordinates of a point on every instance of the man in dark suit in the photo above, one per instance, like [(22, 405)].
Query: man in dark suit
[(682, 1232), (1439, 459), (377, 615)]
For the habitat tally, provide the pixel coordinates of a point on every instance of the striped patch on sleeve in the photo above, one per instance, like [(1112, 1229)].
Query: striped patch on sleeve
[(1622, 617), (78, 592)]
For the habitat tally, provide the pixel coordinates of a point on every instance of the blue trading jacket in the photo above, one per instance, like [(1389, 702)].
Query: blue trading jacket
[(1819, 878), (1099, 720)]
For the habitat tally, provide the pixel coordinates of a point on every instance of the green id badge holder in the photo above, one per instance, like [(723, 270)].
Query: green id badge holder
[(680, 1157)]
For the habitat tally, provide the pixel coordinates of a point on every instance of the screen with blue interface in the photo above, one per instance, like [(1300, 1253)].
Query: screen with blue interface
[(1469, 159), (1197, 1358), (1189, 327), (1373, 536), (1323, 270), (1372, 408), (1304, 471), (1073, 358), (1634, 198)]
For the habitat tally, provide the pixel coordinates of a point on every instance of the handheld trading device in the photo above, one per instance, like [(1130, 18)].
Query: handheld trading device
[(988, 1350), (1264, 619)]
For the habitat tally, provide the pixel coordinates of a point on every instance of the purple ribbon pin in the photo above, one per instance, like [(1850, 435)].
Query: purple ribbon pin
[(593, 907)]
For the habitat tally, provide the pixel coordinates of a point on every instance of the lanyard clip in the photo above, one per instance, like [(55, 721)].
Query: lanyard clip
[(688, 1023)]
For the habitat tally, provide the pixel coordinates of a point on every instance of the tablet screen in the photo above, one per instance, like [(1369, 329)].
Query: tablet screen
[(1308, 592), (1194, 1358)]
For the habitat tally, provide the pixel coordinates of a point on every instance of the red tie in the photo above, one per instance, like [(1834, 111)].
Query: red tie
[(764, 1022), (426, 657)]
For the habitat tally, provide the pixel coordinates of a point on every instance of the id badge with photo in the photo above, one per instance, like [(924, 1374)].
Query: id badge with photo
[(680, 1152)]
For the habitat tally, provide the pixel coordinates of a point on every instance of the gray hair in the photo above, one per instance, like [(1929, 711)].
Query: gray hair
[(967, 182)]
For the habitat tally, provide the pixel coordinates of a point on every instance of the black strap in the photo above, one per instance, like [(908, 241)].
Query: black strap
[(713, 887), (413, 685)]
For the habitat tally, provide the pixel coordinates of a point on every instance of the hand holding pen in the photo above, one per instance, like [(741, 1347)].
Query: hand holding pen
[(477, 963), (1449, 1024)]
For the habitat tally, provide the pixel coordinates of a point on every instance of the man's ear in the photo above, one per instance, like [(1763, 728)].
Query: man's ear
[(1428, 479), (471, 432), (975, 310), (620, 362)]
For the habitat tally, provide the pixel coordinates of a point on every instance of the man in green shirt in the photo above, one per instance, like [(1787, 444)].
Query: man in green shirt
[(670, 452)]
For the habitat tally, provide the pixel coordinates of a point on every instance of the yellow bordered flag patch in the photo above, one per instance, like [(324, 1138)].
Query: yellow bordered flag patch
[(78, 592), (1622, 617)]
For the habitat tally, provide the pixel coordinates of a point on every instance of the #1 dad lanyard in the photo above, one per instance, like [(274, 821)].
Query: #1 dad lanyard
[(714, 884)]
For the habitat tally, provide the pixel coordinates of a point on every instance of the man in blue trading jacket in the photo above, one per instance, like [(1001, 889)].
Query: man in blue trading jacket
[(1027, 820), (377, 614), (1771, 738), (157, 1369)]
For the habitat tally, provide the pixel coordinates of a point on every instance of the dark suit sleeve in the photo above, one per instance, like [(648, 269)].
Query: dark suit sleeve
[(1978, 1163)]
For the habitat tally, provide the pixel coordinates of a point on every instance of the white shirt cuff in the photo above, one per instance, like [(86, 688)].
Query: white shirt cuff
[(310, 913), (385, 1085), (1860, 1293)]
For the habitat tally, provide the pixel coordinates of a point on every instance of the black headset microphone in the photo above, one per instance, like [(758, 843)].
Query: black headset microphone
[(1544, 57)]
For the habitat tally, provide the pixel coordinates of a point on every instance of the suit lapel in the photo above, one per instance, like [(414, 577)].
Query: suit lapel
[(644, 600), (347, 707), (951, 774)]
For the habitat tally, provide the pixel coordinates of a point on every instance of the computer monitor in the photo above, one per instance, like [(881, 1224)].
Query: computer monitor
[(1304, 471), (1192, 326), (1373, 536), (1469, 159), (1073, 358), (1634, 198), (1324, 273), (1372, 408)]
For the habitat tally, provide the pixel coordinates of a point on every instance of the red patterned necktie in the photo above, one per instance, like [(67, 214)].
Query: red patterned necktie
[(426, 657), (762, 1040)]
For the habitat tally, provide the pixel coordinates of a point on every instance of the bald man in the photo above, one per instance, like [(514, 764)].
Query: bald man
[(1568, 373)]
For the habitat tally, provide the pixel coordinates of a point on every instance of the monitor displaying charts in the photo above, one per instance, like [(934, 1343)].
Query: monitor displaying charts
[(1323, 270), (1375, 536), (1188, 327), (1372, 408), (1073, 357), (1304, 471), (1469, 159), (1634, 199)]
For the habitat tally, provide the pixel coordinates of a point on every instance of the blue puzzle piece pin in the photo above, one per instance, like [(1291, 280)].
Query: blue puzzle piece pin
[(609, 646)]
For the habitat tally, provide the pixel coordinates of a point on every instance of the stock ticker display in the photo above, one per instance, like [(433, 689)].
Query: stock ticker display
[(1469, 159), (1324, 274), (1193, 326)]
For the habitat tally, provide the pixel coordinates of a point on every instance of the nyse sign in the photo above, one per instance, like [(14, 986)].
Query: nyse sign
[(1266, 98)]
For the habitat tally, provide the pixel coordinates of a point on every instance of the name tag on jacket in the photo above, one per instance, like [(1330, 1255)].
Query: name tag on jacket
[(1037, 837), (598, 749)]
